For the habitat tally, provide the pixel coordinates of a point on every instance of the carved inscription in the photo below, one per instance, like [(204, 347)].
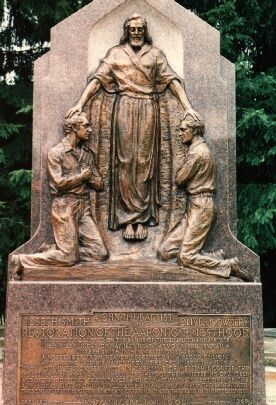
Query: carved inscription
[(135, 358)]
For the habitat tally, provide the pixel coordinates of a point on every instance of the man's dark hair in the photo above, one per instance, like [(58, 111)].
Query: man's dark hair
[(70, 123), (196, 126), (125, 38)]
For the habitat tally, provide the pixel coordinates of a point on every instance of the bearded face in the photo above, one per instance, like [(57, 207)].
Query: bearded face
[(136, 33)]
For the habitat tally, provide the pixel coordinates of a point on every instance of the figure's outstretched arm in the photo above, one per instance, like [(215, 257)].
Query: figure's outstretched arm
[(92, 88), (180, 94)]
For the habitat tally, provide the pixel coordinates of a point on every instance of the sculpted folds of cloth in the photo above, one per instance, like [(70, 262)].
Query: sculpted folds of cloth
[(136, 72), (72, 174), (186, 240), (136, 134)]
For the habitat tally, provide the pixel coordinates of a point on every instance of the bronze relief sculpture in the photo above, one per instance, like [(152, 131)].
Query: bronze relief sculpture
[(137, 72), (187, 239), (131, 291), (135, 75), (72, 173)]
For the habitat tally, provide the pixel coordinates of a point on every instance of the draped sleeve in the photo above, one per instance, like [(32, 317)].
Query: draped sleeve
[(104, 73), (164, 73)]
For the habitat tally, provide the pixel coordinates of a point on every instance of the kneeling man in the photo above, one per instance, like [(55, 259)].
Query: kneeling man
[(186, 240), (72, 173)]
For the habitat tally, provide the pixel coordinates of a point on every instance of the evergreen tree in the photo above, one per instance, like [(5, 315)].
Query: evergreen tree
[(248, 34)]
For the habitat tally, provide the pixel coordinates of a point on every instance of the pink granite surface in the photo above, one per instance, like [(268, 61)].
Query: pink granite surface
[(58, 81), (187, 298), (61, 74)]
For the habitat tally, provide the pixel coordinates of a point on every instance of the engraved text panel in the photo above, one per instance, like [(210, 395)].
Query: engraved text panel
[(135, 358)]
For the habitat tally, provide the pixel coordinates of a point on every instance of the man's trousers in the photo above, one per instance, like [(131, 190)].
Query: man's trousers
[(186, 240), (76, 235)]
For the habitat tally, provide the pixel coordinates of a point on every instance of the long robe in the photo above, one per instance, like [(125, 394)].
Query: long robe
[(136, 79)]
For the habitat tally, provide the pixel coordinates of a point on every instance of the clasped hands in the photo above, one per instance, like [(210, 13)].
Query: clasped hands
[(95, 181)]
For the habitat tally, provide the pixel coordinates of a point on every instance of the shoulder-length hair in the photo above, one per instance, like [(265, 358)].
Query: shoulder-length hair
[(125, 37)]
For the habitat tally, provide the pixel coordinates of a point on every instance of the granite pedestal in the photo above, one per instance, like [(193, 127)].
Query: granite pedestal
[(141, 343), (135, 330)]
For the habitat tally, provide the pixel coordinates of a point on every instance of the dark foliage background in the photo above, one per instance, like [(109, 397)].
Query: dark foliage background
[(248, 39)]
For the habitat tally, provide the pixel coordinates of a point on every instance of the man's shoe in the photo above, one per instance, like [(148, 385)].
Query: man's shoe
[(16, 267), (237, 271)]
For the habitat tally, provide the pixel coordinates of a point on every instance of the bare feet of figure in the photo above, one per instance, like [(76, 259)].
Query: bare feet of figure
[(128, 232), (141, 232)]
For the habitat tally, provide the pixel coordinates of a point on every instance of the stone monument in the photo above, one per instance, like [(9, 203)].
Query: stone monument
[(133, 288)]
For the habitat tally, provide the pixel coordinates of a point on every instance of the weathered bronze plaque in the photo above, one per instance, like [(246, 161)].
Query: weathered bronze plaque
[(135, 358)]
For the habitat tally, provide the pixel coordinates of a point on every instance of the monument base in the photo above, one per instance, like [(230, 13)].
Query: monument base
[(121, 270), (134, 343)]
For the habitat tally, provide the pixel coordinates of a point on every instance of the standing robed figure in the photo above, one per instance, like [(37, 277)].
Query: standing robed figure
[(136, 72)]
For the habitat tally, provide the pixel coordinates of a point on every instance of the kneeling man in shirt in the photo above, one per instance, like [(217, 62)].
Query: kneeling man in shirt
[(72, 173), (186, 240)]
